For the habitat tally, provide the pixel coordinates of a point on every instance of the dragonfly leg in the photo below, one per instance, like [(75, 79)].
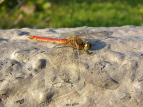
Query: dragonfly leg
[(89, 52), (75, 53)]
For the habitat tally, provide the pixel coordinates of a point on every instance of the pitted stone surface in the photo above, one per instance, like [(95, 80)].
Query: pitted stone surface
[(40, 74)]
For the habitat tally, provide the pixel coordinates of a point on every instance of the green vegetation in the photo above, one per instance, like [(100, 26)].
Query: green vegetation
[(70, 13)]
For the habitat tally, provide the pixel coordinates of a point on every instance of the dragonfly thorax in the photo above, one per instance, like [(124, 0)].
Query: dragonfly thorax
[(78, 43), (87, 45)]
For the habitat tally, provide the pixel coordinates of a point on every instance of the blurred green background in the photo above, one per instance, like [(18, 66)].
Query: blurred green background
[(69, 13)]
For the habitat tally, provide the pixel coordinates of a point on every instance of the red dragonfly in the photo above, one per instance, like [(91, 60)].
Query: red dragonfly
[(74, 42)]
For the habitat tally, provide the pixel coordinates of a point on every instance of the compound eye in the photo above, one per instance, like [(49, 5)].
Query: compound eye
[(87, 45)]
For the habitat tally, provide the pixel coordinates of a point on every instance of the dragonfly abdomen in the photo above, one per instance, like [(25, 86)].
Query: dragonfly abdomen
[(62, 41)]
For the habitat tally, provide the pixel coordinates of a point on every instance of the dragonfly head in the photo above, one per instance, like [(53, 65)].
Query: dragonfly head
[(87, 45)]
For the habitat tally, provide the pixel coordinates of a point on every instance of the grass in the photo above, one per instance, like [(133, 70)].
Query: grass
[(73, 13)]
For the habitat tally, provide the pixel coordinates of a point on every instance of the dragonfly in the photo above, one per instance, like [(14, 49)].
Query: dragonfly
[(74, 42), (69, 68), (74, 39)]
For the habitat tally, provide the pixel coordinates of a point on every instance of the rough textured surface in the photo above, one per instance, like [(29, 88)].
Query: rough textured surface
[(34, 74)]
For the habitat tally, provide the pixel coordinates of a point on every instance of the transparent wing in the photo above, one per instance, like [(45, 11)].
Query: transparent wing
[(86, 32), (93, 35)]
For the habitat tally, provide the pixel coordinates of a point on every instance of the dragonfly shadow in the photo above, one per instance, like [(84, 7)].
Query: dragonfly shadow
[(1, 39), (52, 30), (97, 44), (23, 33)]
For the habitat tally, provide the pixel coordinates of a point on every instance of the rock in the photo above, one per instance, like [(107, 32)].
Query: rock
[(40, 74)]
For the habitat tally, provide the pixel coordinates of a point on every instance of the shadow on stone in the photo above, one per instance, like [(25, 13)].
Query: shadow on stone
[(23, 33), (97, 44), (43, 63), (1, 39)]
